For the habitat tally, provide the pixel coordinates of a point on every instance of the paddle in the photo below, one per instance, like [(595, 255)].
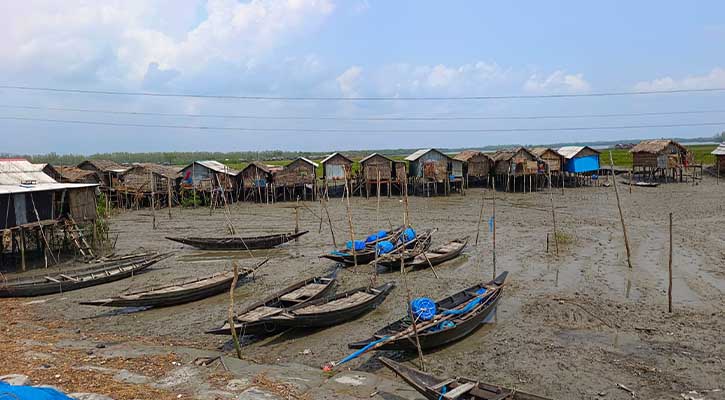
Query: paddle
[(437, 319)]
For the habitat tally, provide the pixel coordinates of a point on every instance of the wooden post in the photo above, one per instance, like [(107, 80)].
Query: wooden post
[(329, 220), (22, 248), (480, 216), (297, 217), (168, 190), (553, 218), (493, 215), (153, 205), (377, 211), (621, 215), (669, 288), (235, 338), (349, 221)]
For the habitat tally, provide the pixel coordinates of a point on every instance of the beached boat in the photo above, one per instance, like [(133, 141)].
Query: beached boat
[(179, 293), (238, 243), (254, 319), (640, 183), (367, 254), (456, 317), (333, 310), (99, 274), (438, 255), (435, 388)]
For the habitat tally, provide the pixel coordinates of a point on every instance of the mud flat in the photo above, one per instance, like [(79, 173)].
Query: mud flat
[(577, 326)]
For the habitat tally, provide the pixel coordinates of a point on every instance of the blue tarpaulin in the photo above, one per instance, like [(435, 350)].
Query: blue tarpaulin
[(582, 164), (30, 393), (384, 247), (359, 245)]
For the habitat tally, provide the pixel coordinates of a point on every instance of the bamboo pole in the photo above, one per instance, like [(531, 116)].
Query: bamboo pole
[(168, 193), (377, 211), (297, 218), (553, 217), (494, 230), (235, 338), (329, 220), (621, 215), (153, 206), (669, 288), (480, 216), (349, 221)]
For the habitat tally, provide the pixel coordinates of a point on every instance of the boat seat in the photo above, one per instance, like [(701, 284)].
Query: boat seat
[(304, 293), (52, 279), (444, 383), (459, 390), (70, 278)]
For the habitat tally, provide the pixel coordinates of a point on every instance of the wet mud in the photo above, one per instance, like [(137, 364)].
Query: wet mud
[(570, 327)]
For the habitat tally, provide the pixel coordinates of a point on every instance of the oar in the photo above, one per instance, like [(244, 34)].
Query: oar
[(421, 327)]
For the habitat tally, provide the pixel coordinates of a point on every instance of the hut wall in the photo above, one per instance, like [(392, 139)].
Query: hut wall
[(719, 164), (457, 168), (400, 170), (503, 167), (553, 161), (296, 173), (642, 159), (376, 164), (580, 164), (337, 168), (432, 165), (478, 166), (8, 210), (82, 204), (254, 177), (140, 179)]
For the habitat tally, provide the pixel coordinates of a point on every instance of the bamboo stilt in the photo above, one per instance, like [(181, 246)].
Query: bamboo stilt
[(621, 215), (235, 338), (669, 288), (553, 218)]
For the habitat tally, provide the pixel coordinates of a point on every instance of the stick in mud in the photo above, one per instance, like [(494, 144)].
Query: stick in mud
[(494, 229), (480, 216), (621, 215), (349, 221), (669, 288), (235, 338), (553, 218)]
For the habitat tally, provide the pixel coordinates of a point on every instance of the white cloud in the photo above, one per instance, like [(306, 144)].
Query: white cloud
[(117, 40), (557, 81), (349, 80), (361, 7), (714, 79)]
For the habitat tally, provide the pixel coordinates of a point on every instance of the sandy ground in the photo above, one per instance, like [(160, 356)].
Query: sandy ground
[(570, 327)]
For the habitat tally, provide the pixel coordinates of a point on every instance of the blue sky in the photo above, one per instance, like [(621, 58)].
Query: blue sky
[(353, 48)]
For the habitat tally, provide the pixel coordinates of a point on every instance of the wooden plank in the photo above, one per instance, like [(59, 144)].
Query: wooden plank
[(458, 391), (303, 293)]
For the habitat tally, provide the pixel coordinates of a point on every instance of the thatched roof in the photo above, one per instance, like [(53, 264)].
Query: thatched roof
[(507, 154), (104, 165), (264, 167), (466, 155), (540, 151), (75, 174), (163, 170), (655, 146)]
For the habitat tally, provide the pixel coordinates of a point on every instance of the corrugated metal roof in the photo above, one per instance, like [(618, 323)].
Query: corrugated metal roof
[(418, 154), (571, 151), (333, 155), (373, 155), (15, 172), (720, 150), (42, 187), (217, 166), (307, 160)]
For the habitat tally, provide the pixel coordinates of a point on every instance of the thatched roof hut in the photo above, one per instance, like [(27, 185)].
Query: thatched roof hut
[(553, 160), (301, 171), (207, 175), (148, 178), (109, 171), (518, 161), (70, 174), (659, 154), (430, 164), (476, 163)]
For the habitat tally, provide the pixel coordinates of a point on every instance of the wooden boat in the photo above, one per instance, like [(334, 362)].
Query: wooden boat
[(238, 243), (174, 294), (438, 255), (434, 333), (367, 255), (434, 388), (77, 280), (333, 310), (640, 183), (254, 319)]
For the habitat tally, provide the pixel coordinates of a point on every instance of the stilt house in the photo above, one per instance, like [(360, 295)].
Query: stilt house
[(71, 174), (256, 183), (109, 171), (336, 170), (515, 169), (476, 166), (34, 207), (144, 182), (208, 179), (581, 163), (377, 169), (429, 168), (298, 178), (663, 158)]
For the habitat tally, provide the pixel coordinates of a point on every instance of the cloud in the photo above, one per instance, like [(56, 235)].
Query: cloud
[(119, 41), (349, 80), (714, 79), (557, 81), (361, 6)]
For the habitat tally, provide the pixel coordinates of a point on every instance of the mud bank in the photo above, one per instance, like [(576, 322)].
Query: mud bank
[(569, 327)]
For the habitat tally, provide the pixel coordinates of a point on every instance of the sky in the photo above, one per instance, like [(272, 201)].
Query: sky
[(345, 50)]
